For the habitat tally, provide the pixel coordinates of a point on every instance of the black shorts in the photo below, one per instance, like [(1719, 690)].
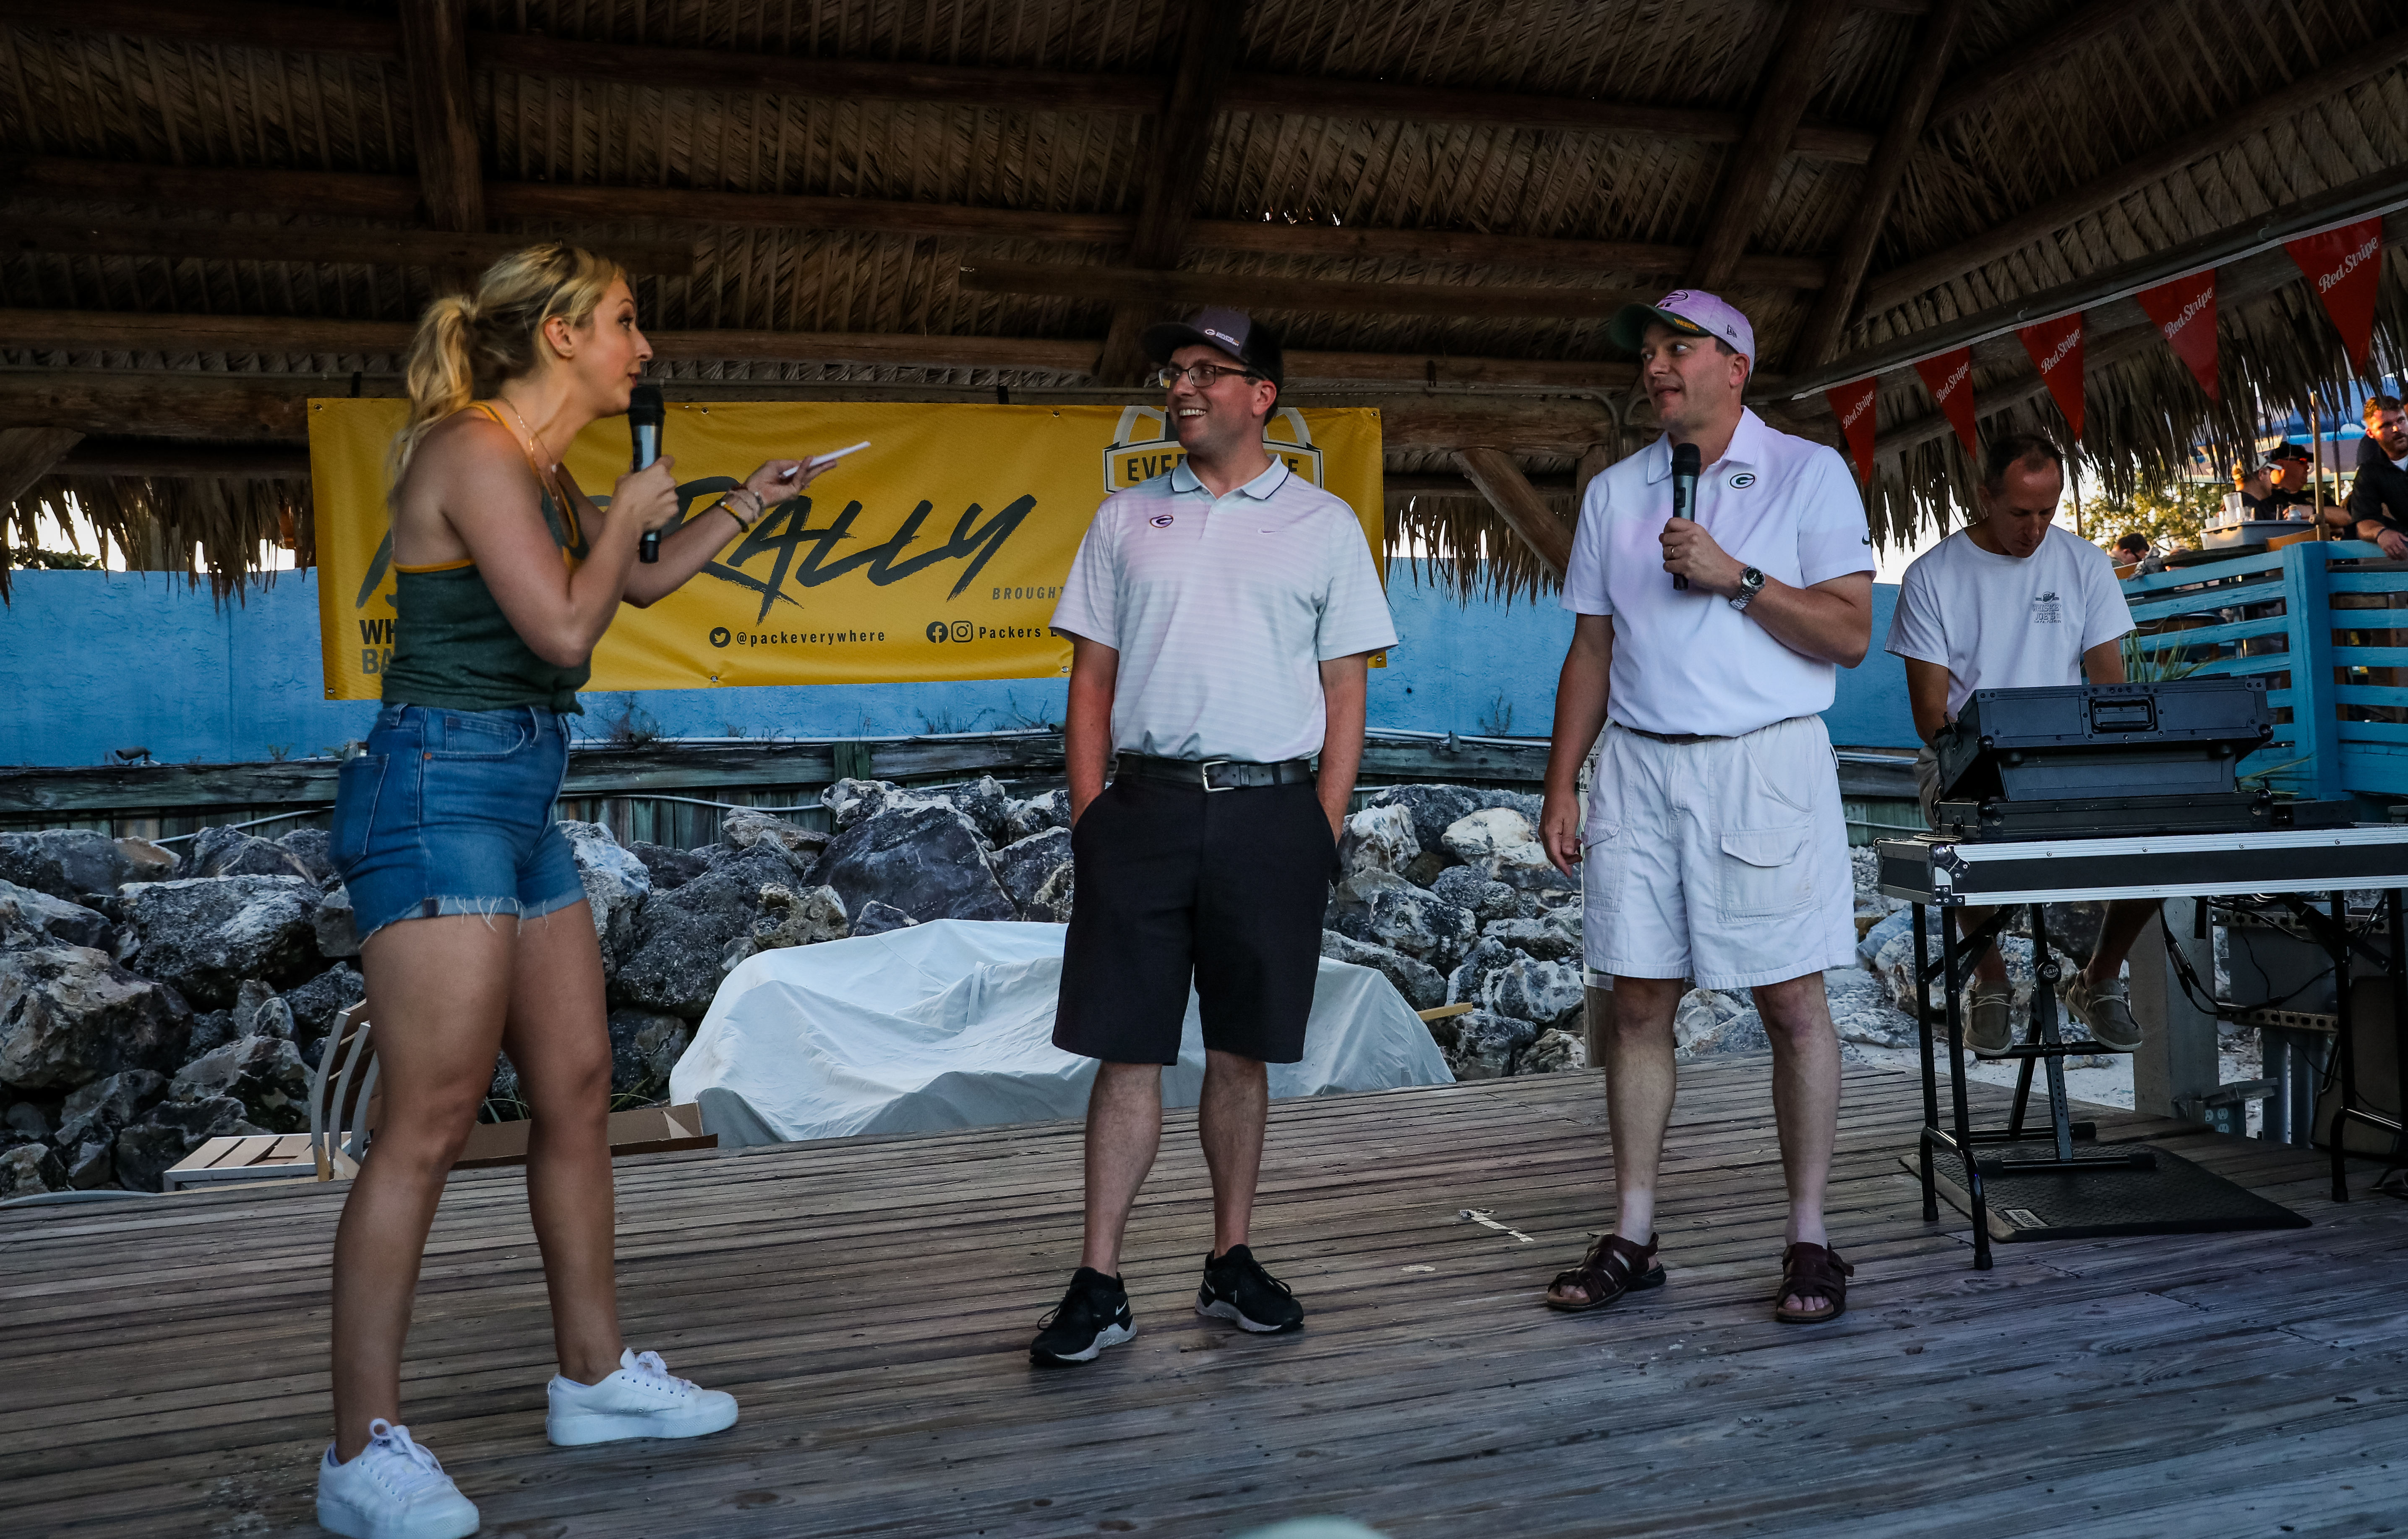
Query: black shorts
[(1175, 883)]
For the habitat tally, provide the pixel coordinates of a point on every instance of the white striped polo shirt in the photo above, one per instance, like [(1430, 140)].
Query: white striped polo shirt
[(1223, 609)]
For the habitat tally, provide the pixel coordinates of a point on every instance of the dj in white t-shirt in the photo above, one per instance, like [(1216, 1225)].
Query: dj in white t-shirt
[(2011, 602)]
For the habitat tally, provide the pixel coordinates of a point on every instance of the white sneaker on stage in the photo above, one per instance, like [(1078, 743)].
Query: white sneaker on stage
[(641, 1400), (395, 1489)]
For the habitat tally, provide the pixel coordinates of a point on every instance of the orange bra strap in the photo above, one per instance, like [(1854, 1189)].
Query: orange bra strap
[(528, 454)]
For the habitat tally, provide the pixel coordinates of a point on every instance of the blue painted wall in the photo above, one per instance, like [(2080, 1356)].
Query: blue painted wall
[(96, 661)]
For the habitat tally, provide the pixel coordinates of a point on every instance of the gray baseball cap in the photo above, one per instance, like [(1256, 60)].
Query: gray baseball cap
[(1233, 331), (1692, 311)]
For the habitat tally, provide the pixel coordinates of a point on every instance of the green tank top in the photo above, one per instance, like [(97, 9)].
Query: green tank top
[(452, 645)]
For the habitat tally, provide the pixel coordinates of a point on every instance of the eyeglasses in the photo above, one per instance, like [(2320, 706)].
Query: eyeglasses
[(1199, 375)]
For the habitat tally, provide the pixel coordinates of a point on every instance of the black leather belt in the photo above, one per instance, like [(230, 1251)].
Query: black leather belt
[(1216, 774), (1681, 738)]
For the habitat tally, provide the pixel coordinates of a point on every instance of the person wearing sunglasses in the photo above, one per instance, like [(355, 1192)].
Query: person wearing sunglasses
[(1221, 618)]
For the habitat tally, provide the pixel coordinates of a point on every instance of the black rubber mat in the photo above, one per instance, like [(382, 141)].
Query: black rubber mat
[(2176, 1198)]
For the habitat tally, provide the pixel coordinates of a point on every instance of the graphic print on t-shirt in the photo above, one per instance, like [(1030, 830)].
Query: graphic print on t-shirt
[(2048, 609)]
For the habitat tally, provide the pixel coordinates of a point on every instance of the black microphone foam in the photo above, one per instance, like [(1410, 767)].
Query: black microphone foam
[(645, 414), (1684, 489)]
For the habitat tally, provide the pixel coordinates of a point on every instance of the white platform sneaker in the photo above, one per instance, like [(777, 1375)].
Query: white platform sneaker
[(641, 1400), (395, 1489)]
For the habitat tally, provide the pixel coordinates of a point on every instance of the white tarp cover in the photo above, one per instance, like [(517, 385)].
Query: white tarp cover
[(950, 1024)]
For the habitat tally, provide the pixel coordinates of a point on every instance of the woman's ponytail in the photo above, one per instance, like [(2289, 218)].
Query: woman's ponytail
[(440, 373)]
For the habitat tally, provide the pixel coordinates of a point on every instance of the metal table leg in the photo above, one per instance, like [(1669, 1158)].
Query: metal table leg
[(1931, 1075), (1964, 1121)]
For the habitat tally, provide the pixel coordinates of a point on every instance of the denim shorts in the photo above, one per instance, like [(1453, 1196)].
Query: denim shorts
[(449, 812)]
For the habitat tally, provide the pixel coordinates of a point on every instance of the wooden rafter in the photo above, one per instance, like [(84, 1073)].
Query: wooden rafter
[(1150, 291), (1934, 42), (1518, 505), (450, 170), (1212, 36), (368, 195), (26, 456), (316, 29), (332, 247), (1789, 81), (2026, 58), (1902, 284)]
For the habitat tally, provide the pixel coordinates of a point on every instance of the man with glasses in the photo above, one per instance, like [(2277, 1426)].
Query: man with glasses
[(1221, 618)]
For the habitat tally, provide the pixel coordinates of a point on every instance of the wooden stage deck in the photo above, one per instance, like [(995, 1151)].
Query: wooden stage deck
[(871, 1303)]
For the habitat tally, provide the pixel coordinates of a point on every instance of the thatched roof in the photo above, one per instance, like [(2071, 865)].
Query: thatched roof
[(217, 207)]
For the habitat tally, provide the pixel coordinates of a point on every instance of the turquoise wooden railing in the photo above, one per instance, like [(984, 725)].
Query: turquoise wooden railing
[(2322, 680)]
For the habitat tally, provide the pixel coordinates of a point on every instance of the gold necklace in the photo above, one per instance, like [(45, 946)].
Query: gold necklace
[(532, 438)]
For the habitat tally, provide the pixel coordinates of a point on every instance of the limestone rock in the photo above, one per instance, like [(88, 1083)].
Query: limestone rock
[(204, 935), (1503, 844), (790, 919), (70, 862), (849, 801), (670, 868), (1378, 839), (877, 918), (330, 923), (107, 1107), (264, 1074), (149, 862), (259, 1011), (1711, 1022), (1486, 1044), (644, 1048), (316, 1003), (26, 1117), (1469, 978), (70, 1015), (1436, 807), (1546, 993), (30, 1169), (1549, 940), (145, 1152), (1553, 1053), (1386, 911), (1861, 1011), (90, 1166), (1470, 888), (234, 852), (616, 885), (990, 809), (211, 1030), (681, 937), (926, 860), (1038, 814), (742, 828), (1036, 873), (310, 849), (1422, 985), (31, 917)]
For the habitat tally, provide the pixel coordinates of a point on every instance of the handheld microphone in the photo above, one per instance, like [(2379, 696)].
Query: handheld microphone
[(644, 417), (1684, 491)]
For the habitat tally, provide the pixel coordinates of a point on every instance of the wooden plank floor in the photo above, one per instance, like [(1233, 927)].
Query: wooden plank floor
[(870, 1302)]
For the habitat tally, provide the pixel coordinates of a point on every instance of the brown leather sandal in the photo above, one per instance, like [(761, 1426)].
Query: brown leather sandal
[(1613, 1267), (1813, 1271)]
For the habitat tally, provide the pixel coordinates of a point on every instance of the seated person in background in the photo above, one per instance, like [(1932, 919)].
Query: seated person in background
[(2255, 488), (2378, 501), (2012, 602), (2132, 550), (2287, 469)]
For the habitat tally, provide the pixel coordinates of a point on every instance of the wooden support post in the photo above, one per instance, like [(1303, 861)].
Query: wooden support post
[(29, 454), (1213, 36), (1519, 505), (450, 176), (1788, 83), (1820, 335)]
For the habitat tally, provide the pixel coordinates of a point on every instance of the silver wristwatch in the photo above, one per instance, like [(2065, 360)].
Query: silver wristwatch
[(1751, 583)]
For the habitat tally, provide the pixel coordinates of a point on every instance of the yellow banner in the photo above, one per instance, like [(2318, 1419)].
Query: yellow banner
[(935, 553)]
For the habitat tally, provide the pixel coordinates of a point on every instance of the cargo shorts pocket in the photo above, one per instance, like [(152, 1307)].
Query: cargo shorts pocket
[(1763, 875), (1601, 863)]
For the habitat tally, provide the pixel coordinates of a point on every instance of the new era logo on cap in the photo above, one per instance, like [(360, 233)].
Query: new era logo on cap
[(1690, 311)]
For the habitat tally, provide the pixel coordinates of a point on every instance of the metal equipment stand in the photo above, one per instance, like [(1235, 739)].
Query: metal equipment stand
[(2333, 929), (2042, 1042)]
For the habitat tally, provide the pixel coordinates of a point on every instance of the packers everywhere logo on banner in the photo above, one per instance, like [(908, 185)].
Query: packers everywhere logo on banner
[(937, 553)]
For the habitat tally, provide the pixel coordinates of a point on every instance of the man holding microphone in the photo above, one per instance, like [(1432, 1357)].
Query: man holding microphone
[(1714, 848), (1221, 618)]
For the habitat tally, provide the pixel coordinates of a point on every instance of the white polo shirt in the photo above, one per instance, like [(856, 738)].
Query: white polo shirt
[(1685, 661), (2005, 621), (1223, 609)]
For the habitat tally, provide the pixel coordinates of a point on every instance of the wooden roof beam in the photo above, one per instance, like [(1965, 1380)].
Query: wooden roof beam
[(173, 241), (29, 454), (1936, 39), (1157, 289), (1212, 39), (443, 127), (1518, 505), (1789, 81), (2027, 58), (1901, 283)]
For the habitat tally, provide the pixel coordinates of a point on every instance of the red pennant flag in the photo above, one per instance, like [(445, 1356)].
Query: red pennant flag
[(1853, 404), (2345, 267), (2055, 346), (1950, 379), (2185, 310)]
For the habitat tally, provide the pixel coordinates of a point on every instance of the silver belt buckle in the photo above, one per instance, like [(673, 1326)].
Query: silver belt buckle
[(1204, 774)]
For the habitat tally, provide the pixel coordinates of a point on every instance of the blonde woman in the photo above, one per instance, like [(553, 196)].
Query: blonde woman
[(477, 935)]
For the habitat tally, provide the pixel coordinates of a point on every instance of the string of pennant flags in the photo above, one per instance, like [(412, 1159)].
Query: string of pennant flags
[(2340, 262)]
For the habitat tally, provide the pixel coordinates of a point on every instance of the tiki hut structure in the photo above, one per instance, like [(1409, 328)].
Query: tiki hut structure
[(217, 209)]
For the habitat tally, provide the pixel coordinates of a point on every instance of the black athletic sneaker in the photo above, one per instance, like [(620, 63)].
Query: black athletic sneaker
[(1094, 1315), (1236, 1287)]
